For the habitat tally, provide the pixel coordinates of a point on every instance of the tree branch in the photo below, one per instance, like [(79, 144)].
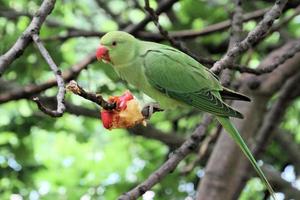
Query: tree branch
[(295, 48), (164, 6), (157, 37), (13, 14), (60, 82), (253, 37), (187, 147), (171, 140), (286, 20), (191, 34), (96, 98), (236, 24), (267, 84), (116, 17), (30, 90), (235, 37), (174, 43), (17, 49)]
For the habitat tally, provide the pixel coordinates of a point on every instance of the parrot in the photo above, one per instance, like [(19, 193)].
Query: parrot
[(175, 80)]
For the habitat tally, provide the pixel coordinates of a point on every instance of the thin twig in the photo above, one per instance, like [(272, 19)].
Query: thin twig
[(279, 60), (253, 37), (172, 140), (17, 49), (174, 43), (286, 20), (295, 48), (103, 4), (96, 98), (164, 33), (31, 90), (191, 34), (59, 79), (157, 37), (187, 147), (162, 7), (180, 34), (13, 14), (137, 5)]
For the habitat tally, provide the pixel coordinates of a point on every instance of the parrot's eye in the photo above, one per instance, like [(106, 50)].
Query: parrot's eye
[(114, 43)]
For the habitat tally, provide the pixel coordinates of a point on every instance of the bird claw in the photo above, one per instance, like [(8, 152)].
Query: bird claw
[(150, 108)]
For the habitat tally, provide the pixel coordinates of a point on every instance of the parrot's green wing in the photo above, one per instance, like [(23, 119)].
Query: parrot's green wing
[(177, 75)]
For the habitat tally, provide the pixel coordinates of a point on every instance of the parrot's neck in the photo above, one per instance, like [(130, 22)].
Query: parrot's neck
[(132, 73)]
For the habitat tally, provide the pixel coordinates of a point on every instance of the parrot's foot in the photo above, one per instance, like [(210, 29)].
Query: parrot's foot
[(150, 108)]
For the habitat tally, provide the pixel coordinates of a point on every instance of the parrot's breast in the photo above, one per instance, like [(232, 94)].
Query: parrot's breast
[(132, 73)]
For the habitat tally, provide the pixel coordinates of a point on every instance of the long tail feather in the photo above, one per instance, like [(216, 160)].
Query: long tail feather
[(230, 128)]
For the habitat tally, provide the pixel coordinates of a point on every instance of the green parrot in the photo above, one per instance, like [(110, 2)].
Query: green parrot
[(174, 80)]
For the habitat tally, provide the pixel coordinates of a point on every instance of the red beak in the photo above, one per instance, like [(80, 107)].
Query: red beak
[(102, 53)]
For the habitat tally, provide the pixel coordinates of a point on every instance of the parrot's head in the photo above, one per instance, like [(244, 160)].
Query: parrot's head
[(117, 48)]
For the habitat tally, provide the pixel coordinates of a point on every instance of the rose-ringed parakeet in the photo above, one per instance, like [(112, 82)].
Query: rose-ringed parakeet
[(173, 79)]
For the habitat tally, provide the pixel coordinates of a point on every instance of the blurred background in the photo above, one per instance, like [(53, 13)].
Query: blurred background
[(74, 157)]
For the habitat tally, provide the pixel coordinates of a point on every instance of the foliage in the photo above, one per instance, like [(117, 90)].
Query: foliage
[(74, 157)]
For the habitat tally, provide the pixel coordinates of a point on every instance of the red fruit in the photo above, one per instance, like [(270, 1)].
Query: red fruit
[(126, 114), (107, 118), (122, 104)]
